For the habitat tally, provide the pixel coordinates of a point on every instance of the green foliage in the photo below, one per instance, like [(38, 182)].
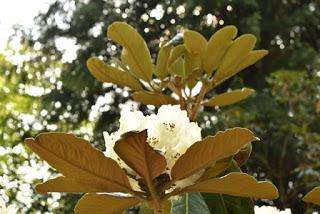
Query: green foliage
[(224, 204), (190, 203)]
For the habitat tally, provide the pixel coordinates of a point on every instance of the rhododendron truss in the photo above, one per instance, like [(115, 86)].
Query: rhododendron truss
[(150, 159)]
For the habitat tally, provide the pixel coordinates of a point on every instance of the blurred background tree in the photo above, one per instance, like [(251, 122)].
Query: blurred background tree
[(283, 112)]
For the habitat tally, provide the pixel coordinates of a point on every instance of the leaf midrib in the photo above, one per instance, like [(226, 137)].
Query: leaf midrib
[(87, 171), (126, 46)]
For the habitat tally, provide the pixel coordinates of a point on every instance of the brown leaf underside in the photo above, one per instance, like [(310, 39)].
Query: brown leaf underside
[(204, 153), (236, 184), (77, 159), (103, 203), (134, 150), (313, 196)]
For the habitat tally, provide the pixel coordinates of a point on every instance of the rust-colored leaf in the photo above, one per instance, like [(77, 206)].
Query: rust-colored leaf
[(229, 97), (236, 184), (106, 73), (136, 53), (64, 184), (217, 46), (204, 153), (77, 159), (134, 150), (153, 99), (234, 56), (216, 169), (313, 196), (103, 203)]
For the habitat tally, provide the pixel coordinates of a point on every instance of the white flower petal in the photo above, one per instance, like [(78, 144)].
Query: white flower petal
[(169, 131)]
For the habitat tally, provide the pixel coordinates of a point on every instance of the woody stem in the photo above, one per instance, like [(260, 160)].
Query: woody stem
[(197, 105)]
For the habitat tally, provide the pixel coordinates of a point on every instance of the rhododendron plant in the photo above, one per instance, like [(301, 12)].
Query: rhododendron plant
[(151, 159)]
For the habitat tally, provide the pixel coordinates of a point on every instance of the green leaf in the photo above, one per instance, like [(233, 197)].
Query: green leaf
[(103, 203), (193, 78), (176, 53), (226, 204), (192, 62), (177, 67), (162, 62), (251, 58), (136, 53), (229, 97), (119, 64), (153, 99), (217, 46), (166, 208), (144, 209), (235, 55), (192, 203), (107, 73), (195, 43)]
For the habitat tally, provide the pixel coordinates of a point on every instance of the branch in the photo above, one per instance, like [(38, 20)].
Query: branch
[(197, 105)]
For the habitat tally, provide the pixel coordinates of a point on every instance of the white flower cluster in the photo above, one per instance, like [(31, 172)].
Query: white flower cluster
[(169, 131), (7, 210), (270, 210)]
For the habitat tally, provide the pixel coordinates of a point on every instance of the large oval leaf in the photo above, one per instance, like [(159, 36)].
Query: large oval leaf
[(236, 184), (64, 184), (190, 203), (166, 208), (234, 56), (195, 43), (229, 97), (136, 53), (153, 99), (134, 150), (177, 67), (163, 61), (77, 159), (313, 196), (227, 204), (107, 73), (192, 63), (203, 154), (251, 58), (176, 53), (103, 203), (218, 168), (217, 46)]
